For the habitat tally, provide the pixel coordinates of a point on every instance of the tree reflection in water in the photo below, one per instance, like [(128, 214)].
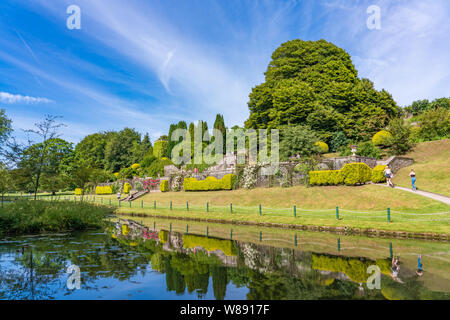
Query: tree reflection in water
[(124, 252)]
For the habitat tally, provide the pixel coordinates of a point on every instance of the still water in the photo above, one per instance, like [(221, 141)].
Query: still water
[(143, 258)]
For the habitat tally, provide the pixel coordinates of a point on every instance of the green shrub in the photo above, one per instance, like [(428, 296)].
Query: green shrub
[(323, 147), (127, 188), (378, 174), (210, 183), (434, 124), (368, 149), (164, 186), (353, 173), (382, 138), (325, 177), (209, 244), (103, 190), (78, 191)]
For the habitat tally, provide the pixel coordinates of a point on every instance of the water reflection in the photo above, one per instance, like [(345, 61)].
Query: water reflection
[(172, 260)]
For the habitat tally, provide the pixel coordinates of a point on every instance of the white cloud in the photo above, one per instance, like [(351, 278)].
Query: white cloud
[(6, 97)]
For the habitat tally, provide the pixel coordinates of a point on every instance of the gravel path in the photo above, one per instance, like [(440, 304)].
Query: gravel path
[(434, 196)]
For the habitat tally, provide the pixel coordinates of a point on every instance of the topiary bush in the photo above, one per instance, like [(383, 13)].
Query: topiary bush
[(134, 166), (378, 174), (127, 188), (164, 186), (163, 236), (78, 191), (323, 147), (325, 177), (210, 183), (354, 173), (103, 190), (382, 138), (160, 148)]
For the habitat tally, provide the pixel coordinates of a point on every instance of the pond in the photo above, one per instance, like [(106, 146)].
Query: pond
[(146, 258)]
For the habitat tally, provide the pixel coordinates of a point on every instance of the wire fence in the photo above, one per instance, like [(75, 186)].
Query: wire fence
[(336, 213)]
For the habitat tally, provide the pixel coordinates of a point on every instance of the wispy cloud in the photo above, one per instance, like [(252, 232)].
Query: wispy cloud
[(6, 97)]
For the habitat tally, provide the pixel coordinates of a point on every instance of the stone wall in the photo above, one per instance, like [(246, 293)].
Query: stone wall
[(338, 162)]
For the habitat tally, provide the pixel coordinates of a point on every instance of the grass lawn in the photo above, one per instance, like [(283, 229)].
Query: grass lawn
[(359, 207), (431, 166)]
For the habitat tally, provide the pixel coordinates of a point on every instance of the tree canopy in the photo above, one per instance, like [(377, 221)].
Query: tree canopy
[(315, 83)]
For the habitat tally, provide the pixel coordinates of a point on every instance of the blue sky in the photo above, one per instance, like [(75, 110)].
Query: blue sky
[(146, 64)]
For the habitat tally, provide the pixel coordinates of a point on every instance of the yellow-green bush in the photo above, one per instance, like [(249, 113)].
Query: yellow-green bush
[(382, 138), (378, 174), (210, 183), (163, 236), (78, 191), (354, 268), (325, 177), (164, 186), (127, 188), (103, 190), (323, 147), (353, 173), (125, 229), (209, 244), (134, 166)]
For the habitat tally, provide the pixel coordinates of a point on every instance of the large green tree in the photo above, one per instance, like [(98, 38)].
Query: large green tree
[(316, 83), (119, 150)]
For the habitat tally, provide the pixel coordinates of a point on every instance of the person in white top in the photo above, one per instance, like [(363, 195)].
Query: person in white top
[(389, 175)]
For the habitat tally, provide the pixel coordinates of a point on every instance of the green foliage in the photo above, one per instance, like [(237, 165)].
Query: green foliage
[(298, 140), (316, 83), (378, 174), (27, 217), (191, 241), (6, 180), (164, 186), (367, 149), (339, 140), (353, 173), (5, 127), (434, 124), (323, 147), (382, 138), (401, 141), (119, 149), (219, 124), (157, 167), (420, 106), (208, 184), (325, 177), (148, 160), (126, 188), (160, 149), (103, 190)]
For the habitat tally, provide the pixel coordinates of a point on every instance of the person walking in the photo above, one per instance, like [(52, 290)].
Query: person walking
[(419, 271), (389, 175), (412, 174), (118, 195)]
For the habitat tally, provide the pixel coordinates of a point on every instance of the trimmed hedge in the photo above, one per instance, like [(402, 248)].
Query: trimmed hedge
[(210, 183), (378, 174), (350, 174), (103, 190), (78, 191), (134, 166), (325, 177), (209, 244), (163, 236), (353, 173), (164, 186), (127, 188), (382, 138), (160, 148)]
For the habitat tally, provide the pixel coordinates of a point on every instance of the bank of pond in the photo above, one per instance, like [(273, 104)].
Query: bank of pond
[(165, 259)]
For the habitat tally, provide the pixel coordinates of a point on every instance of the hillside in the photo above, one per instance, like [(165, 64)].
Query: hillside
[(431, 166)]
